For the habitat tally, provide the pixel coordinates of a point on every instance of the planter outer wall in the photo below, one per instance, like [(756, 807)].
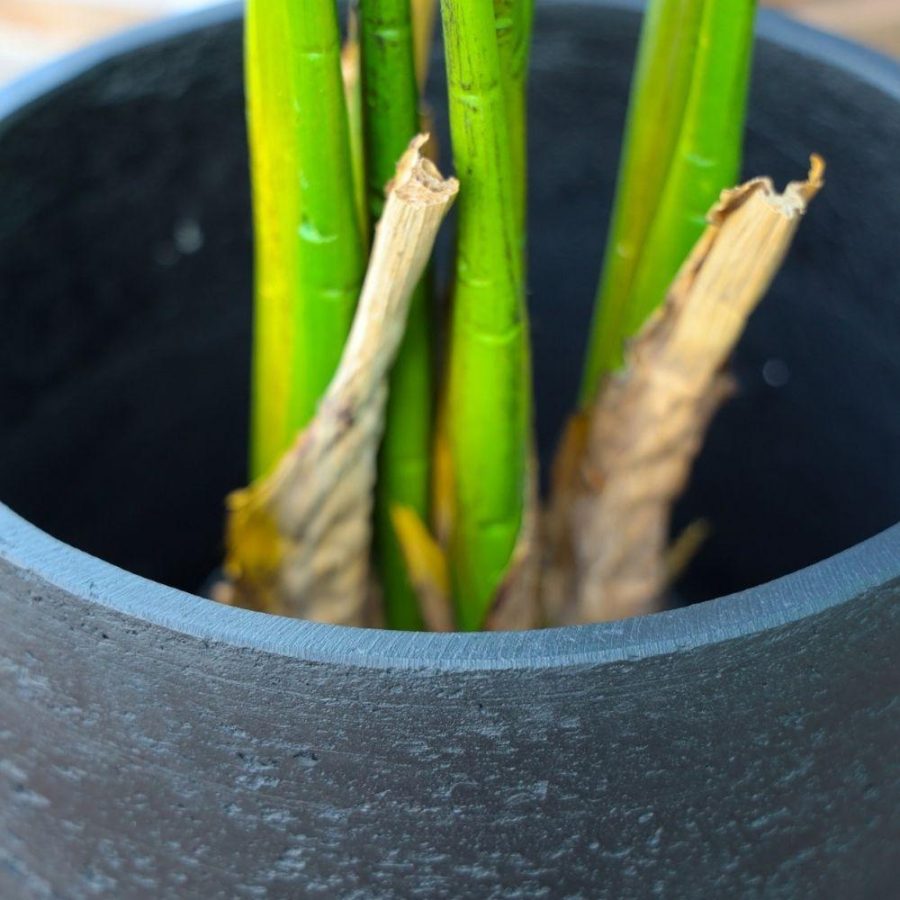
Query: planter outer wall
[(155, 745)]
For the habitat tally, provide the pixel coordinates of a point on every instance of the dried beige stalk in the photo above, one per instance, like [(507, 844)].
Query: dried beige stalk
[(649, 421), (298, 540)]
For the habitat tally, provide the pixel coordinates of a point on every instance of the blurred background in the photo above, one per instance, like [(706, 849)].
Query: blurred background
[(33, 31)]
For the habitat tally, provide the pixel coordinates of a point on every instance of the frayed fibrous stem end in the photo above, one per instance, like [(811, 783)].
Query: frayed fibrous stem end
[(626, 463), (298, 540)]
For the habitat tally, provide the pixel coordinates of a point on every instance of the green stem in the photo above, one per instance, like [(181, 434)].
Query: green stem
[(707, 157), (489, 416), (309, 253), (390, 94), (682, 146), (513, 21), (391, 117)]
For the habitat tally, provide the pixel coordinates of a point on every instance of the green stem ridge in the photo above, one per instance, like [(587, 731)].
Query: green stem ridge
[(513, 21), (489, 420), (682, 147), (391, 119), (309, 255)]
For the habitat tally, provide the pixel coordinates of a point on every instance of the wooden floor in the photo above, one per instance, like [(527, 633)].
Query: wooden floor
[(32, 31)]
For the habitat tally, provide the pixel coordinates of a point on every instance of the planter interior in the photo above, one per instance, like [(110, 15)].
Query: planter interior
[(125, 273), (154, 744)]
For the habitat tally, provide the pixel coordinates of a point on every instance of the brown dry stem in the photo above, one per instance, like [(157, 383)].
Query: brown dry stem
[(298, 540), (609, 526)]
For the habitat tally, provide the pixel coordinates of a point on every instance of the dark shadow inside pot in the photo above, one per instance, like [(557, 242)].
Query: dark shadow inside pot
[(125, 302)]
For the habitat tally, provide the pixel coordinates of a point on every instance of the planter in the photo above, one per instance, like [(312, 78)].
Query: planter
[(155, 744)]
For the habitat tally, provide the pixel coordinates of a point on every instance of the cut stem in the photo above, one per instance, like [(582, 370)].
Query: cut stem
[(650, 419), (298, 539), (309, 251), (682, 146), (489, 412)]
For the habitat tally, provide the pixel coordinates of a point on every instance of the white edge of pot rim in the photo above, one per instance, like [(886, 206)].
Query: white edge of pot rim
[(851, 574)]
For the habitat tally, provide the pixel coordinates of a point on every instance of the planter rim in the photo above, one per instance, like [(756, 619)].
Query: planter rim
[(868, 65), (840, 579)]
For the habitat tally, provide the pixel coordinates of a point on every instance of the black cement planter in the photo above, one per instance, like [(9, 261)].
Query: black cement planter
[(154, 744)]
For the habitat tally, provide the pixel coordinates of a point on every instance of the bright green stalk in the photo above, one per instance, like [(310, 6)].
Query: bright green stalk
[(513, 21), (390, 94), (682, 146), (660, 87), (489, 415), (309, 253), (708, 155), (391, 118)]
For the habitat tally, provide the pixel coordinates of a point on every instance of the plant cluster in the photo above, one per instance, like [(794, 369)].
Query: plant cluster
[(448, 505)]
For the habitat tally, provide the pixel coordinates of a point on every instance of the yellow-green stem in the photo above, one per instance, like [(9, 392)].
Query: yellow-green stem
[(513, 21), (682, 146), (309, 252)]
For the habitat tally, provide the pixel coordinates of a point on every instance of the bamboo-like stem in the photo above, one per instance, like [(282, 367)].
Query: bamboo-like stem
[(309, 253), (391, 116), (682, 146), (298, 539), (489, 412), (390, 93), (708, 154), (513, 21), (659, 90)]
